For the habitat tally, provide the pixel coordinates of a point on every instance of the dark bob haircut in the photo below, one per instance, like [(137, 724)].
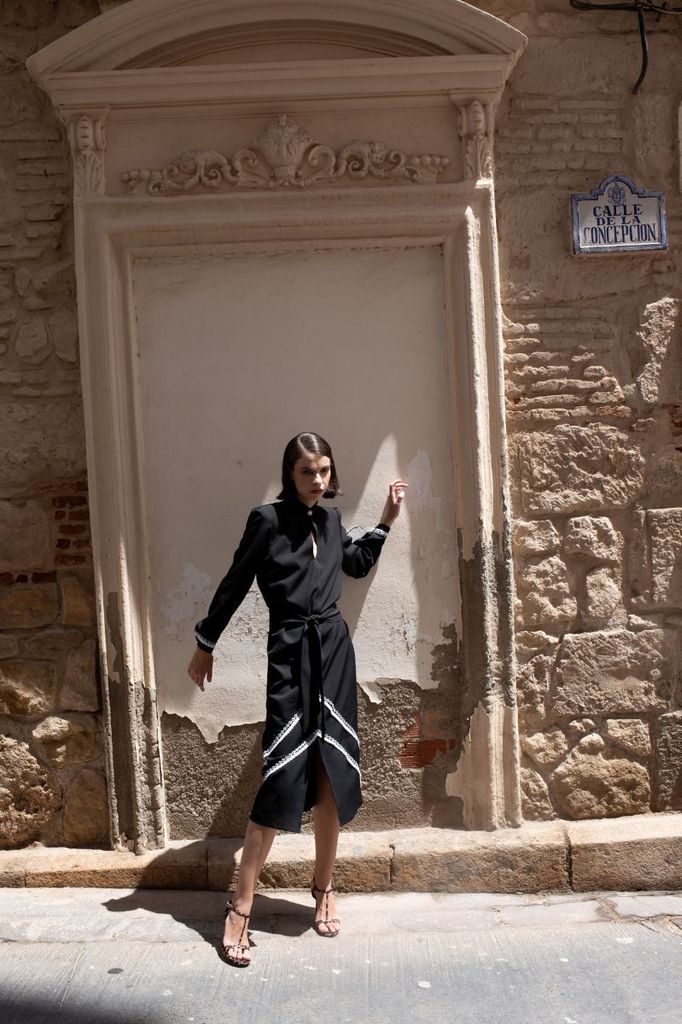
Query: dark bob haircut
[(306, 443)]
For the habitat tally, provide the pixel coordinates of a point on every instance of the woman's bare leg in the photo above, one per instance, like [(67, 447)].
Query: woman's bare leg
[(326, 822), (257, 843)]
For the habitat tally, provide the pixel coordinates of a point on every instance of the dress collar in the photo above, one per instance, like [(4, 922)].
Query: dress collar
[(299, 509)]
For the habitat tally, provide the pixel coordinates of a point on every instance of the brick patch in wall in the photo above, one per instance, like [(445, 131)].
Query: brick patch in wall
[(420, 745), (560, 365), (73, 522), (551, 134)]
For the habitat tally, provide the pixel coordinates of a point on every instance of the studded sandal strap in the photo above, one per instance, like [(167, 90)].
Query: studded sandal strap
[(229, 909), (325, 903)]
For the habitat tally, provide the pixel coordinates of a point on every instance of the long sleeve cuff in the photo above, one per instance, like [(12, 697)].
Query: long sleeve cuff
[(383, 530), (202, 643)]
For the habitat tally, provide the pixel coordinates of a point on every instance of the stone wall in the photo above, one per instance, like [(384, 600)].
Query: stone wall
[(594, 417), (52, 784), (594, 414)]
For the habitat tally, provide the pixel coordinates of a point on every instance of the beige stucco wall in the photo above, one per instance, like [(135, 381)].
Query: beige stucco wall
[(594, 421), (236, 356)]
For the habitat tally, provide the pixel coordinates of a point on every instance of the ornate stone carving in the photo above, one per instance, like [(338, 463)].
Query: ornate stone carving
[(87, 139), (285, 155), (475, 129)]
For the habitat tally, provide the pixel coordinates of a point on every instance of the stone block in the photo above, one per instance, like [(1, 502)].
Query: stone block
[(69, 739), (536, 538), (657, 559), (363, 862), (627, 854), (630, 735), (51, 643), (663, 481), (78, 604), (79, 690), (592, 743), (545, 749), (85, 809), (530, 859), (531, 642), (27, 687), (609, 673), (657, 336), (182, 865), (32, 345), (668, 762), (602, 604), (545, 595), (580, 727), (535, 802), (27, 537), (40, 443), (28, 605), (533, 680), (665, 545), (63, 333), (576, 469), (29, 794), (589, 785), (595, 538)]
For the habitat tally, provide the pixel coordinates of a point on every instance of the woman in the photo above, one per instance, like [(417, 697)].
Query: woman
[(297, 549)]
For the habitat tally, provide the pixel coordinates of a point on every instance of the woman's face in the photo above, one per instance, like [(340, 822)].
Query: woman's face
[(311, 477)]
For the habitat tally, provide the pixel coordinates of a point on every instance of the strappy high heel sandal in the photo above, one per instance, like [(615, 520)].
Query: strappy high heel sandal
[(239, 960), (326, 920)]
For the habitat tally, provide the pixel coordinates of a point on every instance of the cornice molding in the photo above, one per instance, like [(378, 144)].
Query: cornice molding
[(387, 81), (123, 35)]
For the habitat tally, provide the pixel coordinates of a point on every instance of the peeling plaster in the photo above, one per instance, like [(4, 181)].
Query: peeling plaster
[(372, 691), (236, 694), (194, 590)]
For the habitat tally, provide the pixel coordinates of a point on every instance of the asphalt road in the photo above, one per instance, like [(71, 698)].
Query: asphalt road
[(112, 956)]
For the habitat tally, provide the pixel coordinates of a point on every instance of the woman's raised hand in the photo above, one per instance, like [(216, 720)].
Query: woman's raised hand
[(396, 493), (200, 667)]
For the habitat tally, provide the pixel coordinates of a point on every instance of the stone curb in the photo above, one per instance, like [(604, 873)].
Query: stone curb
[(632, 853)]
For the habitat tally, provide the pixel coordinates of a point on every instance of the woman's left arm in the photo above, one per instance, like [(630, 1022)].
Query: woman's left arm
[(359, 556)]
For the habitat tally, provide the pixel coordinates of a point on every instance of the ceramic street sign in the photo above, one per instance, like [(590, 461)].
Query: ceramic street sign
[(618, 216)]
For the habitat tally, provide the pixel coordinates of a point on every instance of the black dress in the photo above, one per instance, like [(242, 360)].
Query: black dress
[(311, 683)]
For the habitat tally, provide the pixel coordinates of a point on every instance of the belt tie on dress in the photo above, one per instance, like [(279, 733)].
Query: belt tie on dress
[(311, 662)]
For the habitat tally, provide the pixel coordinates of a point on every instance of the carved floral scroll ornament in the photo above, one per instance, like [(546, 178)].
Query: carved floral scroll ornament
[(87, 140), (475, 129), (284, 155)]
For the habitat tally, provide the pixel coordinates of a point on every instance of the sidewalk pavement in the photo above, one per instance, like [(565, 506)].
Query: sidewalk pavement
[(123, 956), (636, 852)]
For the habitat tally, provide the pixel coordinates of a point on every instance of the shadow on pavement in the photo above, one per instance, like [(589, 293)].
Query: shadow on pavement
[(20, 1009), (202, 912)]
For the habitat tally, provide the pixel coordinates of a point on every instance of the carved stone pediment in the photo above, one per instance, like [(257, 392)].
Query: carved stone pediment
[(285, 155)]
